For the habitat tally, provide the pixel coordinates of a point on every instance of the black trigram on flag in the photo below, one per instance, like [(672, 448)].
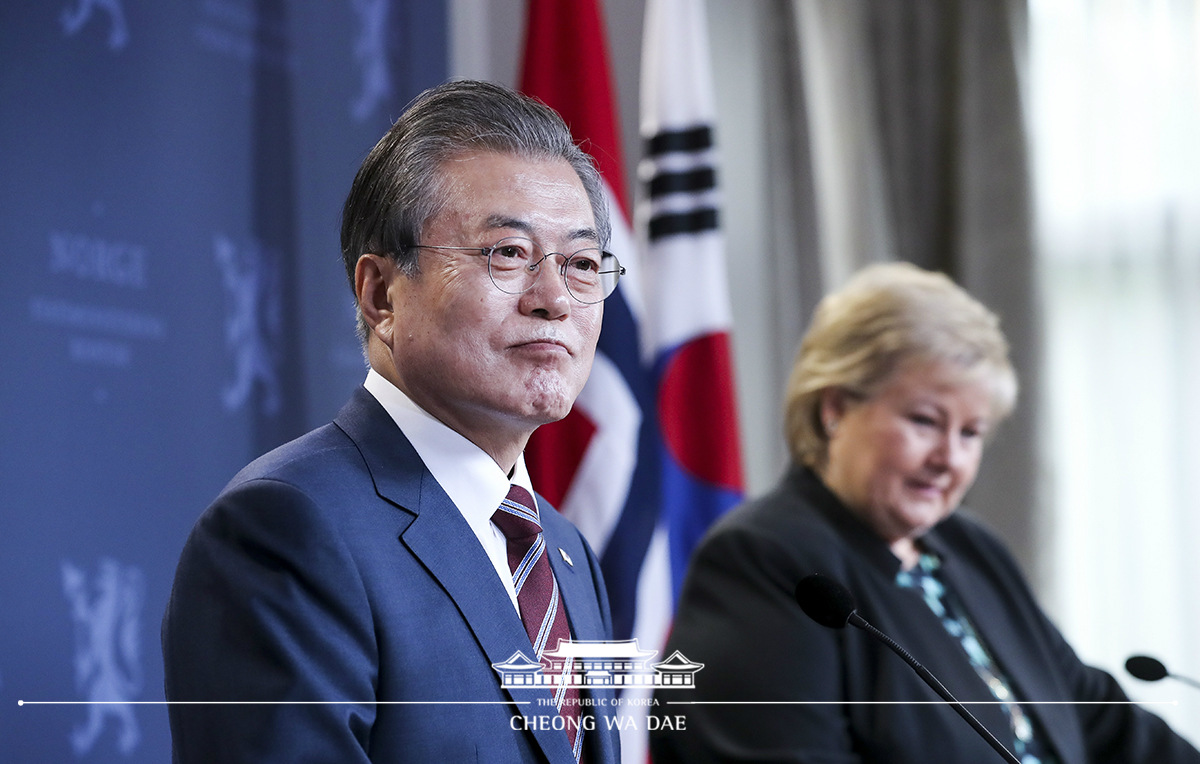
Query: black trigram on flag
[(682, 188)]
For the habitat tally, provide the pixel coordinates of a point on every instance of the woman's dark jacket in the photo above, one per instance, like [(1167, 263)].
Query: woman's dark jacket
[(737, 615)]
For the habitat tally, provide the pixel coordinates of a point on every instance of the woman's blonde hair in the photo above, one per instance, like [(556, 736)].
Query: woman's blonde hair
[(887, 315)]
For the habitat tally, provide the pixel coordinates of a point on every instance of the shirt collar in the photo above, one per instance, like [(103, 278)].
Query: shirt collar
[(468, 475)]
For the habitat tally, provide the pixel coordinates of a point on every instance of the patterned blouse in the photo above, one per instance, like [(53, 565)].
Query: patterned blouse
[(925, 578)]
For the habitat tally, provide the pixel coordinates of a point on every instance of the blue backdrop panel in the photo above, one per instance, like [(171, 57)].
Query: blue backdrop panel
[(172, 303)]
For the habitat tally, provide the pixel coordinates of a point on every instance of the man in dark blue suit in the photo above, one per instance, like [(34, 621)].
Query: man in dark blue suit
[(345, 597)]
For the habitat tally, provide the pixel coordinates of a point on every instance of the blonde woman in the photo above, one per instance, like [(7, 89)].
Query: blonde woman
[(896, 388)]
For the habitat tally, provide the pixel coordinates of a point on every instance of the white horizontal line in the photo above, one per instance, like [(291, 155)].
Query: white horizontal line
[(919, 703), (272, 703)]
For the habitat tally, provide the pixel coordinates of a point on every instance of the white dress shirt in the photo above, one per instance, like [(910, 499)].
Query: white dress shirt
[(471, 478)]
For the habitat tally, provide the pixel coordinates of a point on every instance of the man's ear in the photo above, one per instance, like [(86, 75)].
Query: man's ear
[(373, 276)]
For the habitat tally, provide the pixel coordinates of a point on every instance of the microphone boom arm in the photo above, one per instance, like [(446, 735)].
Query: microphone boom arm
[(936, 686), (1185, 680)]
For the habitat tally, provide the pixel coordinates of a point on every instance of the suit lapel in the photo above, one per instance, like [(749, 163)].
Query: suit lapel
[(441, 539), (445, 544), (577, 587)]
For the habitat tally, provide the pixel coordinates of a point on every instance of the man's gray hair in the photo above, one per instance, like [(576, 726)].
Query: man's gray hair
[(398, 188)]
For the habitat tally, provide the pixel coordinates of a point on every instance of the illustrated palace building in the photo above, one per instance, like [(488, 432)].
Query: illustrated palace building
[(595, 663)]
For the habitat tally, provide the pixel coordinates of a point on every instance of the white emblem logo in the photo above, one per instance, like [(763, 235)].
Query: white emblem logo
[(597, 663), (370, 50), (108, 668), (253, 322), (74, 20)]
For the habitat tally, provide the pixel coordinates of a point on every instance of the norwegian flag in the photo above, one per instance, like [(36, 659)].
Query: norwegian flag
[(649, 456), (598, 465)]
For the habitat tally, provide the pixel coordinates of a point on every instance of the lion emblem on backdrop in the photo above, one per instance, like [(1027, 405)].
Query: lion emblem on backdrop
[(76, 19), (370, 50), (253, 322), (108, 670)]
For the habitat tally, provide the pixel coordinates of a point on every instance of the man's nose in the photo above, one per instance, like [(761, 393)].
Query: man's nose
[(548, 297)]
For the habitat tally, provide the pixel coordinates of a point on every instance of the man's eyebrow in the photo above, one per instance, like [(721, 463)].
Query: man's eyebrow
[(585, 233), (503, 221)]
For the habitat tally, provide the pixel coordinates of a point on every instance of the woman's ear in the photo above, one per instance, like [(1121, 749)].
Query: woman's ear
[(833, 408)]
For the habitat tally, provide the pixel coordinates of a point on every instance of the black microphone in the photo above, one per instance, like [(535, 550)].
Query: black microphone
[(830, 604), (1151, 670)]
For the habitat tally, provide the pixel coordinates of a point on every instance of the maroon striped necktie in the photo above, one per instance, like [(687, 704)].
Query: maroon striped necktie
[(538, 597)]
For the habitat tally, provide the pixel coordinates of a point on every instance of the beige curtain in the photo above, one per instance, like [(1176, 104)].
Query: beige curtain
[(913, 121), (928, 124)]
